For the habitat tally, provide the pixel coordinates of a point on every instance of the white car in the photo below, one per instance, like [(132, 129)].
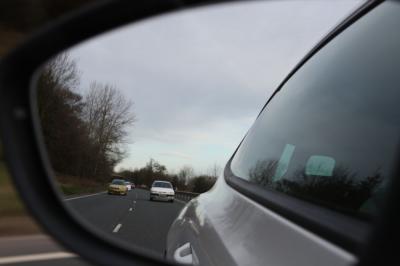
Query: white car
[(128, 185), (162, 190)]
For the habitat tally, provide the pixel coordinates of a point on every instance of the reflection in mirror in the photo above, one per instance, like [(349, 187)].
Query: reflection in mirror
[(139, 121)]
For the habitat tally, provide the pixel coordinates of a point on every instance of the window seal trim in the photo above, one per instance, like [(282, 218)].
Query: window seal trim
[(333, 226)]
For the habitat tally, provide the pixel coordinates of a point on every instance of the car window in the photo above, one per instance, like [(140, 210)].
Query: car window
[(330, 134), (162, 184), (118, 182)]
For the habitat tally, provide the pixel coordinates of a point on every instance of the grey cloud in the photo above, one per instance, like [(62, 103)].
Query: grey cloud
[(176, 154)]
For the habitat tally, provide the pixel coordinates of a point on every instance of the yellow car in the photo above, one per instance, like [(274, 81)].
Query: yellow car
[(117, 186)]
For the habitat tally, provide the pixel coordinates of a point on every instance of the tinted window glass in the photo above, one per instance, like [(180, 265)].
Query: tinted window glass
[(162, 184), (330, 135), (118, 182)]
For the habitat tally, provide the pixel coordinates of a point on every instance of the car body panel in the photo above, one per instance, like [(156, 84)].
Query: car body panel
[(117, 189), (120, 188), (162, 197), (235, 230)]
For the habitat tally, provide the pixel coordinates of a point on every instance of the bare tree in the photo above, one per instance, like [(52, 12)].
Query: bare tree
[(58, 80), (59, 108), (108, 116), (185, 174), (63, 71), (83, 133)]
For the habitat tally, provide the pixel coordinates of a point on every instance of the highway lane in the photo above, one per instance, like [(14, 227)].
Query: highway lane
[(132, 219)]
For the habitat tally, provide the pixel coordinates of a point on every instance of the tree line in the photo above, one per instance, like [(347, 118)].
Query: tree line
[(184, 180), (84, 133)]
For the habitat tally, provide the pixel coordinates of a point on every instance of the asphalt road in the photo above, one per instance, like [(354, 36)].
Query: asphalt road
[(35, 250), (131, 219)]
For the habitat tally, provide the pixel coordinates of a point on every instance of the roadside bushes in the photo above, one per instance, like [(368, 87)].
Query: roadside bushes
[(185, 180)]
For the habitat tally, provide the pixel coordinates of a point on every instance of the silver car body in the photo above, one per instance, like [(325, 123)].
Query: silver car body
[(223, 227)]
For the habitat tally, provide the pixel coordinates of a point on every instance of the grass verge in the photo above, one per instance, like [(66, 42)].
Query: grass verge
[(10, 203), (72, 185), (14, 219)]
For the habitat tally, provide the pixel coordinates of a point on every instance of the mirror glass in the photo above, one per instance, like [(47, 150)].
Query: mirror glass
[(141, 120)]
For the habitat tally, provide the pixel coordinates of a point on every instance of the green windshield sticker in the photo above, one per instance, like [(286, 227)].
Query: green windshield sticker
[(320, 165), (283, 162)]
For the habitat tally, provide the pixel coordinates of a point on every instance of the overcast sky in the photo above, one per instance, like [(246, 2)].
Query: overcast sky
[(198, 78)]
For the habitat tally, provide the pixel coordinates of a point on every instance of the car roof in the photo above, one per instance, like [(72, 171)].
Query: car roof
[(161, 181)]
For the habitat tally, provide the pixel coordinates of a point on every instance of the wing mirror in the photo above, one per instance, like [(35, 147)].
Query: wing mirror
[(83, 106), (139, 91)]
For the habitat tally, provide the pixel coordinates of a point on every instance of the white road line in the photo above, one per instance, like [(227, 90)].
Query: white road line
[(116, 229), (130, 209), (85, 196), (36, 257)]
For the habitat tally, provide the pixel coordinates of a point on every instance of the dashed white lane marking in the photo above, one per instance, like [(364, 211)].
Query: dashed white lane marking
[(85, 196), (36, 257), (130, 209), (116, 229)]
